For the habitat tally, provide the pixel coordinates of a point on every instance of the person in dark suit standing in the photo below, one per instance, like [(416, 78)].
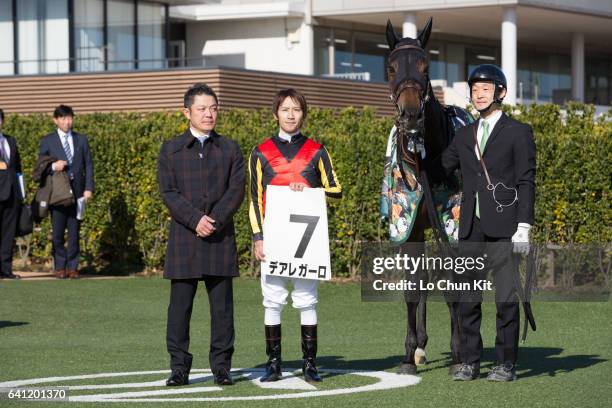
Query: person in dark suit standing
[(10, 197), (497, 158), (74, 157), (201, 177)]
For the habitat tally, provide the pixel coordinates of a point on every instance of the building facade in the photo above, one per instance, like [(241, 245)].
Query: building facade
[(550, 50)]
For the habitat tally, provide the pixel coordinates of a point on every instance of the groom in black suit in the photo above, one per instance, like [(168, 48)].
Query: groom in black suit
[(495, 150), (71, 150)]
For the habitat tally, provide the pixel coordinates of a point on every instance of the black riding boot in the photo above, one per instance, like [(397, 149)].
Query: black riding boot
[(273, 350), (309, 350)]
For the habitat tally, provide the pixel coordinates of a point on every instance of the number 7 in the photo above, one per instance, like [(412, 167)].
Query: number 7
[(311, 223)]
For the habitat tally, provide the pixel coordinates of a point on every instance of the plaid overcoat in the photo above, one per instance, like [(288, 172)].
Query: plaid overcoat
[(197, 180)]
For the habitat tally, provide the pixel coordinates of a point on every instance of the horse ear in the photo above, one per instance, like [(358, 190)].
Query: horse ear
[(424, 36), (392, 38)]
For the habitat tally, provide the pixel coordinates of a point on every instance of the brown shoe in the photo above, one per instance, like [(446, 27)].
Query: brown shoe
[(60, 274), (73, 274)]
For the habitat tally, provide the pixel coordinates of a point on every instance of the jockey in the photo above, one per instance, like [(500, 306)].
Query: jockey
[(288, 159)]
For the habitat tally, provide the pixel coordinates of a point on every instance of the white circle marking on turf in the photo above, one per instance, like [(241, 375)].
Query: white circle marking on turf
[(386, 381)]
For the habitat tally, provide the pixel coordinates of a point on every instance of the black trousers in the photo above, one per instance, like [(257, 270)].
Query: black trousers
[(63, 218), (503, 265), (8, 226), (221, 301)]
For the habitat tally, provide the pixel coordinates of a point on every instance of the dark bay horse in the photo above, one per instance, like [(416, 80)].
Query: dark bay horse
[(422, 124)]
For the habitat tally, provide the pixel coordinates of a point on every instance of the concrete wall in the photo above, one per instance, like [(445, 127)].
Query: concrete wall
[(331, 7), (599, 7), (268, 44)]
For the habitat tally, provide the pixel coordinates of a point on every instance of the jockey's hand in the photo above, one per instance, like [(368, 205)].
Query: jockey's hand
[(259, 254), (297, 186), (520, 239)]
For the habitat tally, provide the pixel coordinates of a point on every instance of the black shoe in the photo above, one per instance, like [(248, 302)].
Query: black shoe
[(223, 377), (467, 372), (178, 378), (502, 373), (453, 368), (309, 369), (10, 276), (273, 350), (309, 351)]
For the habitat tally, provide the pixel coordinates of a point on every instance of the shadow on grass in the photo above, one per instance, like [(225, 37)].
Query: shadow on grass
[(533, 361), (339, 363), (6, 323), (536, 361)]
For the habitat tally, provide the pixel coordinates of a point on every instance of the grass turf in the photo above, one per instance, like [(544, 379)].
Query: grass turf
[(62, 328)]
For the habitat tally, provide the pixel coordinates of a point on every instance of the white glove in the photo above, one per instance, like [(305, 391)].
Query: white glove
[(520, 239)]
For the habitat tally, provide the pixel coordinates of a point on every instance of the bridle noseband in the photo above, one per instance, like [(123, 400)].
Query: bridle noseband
[(405, 134), (394, 96)]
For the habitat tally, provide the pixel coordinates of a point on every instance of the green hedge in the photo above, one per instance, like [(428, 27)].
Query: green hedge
[(126, 223)]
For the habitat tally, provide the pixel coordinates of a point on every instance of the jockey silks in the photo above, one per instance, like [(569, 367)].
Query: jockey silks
[(279, 162)]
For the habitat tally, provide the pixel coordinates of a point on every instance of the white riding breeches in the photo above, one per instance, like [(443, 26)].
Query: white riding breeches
[(275, 292)]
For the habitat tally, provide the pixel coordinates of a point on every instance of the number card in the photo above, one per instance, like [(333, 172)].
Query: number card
[(296, 241)]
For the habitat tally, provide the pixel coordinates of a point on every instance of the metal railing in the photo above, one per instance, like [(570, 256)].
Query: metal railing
[(95, 64)]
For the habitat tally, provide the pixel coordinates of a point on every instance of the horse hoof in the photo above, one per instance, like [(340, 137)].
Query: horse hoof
[(453, 369), (407, 368), (420, 357)]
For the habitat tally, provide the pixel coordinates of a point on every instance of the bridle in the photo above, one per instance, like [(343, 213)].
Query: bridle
[(394, 96), (409, 135)]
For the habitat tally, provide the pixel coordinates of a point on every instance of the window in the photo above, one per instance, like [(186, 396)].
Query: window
[(543, 76), (7, 54), (597, 85), (43, 36), (322, 41), (121, 34), (437, 58), (343, 52), (89, 35), (151, 35), (57, 36), (371, 55)]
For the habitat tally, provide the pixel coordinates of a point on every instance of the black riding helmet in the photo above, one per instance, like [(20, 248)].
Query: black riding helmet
[(489, 73)]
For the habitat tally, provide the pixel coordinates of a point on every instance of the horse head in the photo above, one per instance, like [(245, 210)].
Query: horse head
[(408, 72)]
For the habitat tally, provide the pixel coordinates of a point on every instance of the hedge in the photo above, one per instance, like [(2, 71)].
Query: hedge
[(126, 223)]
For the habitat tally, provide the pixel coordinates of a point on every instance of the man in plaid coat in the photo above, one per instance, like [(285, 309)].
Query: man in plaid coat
[(201, 178)]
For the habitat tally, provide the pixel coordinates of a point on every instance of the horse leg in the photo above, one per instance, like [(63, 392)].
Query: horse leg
[(408, 365), (421, 330), (414, 304)]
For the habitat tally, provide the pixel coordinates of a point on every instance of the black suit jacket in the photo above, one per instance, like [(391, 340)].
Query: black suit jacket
[(82, 162), (8, 177), (193, 182), (510, 158)]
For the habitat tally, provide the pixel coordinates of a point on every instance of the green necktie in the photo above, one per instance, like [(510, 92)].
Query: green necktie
[(483, 143)]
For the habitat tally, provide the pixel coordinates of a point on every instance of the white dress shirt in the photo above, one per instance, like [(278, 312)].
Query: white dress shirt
[(287, 136), (491, 121), (62, 136), (199, 135)]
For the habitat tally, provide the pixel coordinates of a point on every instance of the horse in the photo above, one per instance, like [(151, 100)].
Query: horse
[(423, 129)]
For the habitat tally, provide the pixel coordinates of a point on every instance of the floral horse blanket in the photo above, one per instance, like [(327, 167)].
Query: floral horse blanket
[(399, 202)]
